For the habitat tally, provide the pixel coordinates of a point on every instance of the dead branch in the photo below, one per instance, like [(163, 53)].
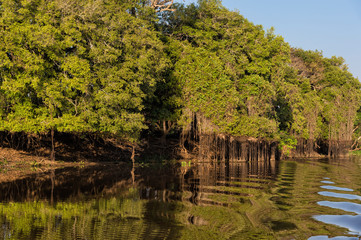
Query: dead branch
[(355, 129), (162, 5), (355, 143), (356, 149)]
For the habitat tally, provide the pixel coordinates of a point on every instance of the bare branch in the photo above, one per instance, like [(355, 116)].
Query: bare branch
[(355, 129), (355, 144), (162, 5)]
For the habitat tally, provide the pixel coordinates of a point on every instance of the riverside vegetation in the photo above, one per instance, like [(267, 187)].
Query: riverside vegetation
[(121, 71)]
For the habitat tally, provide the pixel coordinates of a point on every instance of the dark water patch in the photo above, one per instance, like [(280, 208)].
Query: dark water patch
[(287, 176), (230, 192), (345, 206), (285, 184), (282, 201), (197, 221), (245, 180), (238, 185), (212, 203), (282, 225), (63, 184), (340, 195), (285, 190)]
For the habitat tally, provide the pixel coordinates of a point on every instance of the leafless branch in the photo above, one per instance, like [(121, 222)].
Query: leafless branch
[(355, 129), (162, 5), (355, 143)]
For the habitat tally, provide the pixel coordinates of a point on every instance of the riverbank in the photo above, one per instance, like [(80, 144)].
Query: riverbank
[(15, 164)]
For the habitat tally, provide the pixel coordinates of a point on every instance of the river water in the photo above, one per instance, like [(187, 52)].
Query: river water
[(295, 199)]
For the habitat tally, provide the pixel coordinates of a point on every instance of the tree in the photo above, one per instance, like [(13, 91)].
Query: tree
[(77, 66), (327, 99), (39, 85), (227, 69)]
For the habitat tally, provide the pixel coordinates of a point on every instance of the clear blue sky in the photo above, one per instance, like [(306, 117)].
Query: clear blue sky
[(330, 26)]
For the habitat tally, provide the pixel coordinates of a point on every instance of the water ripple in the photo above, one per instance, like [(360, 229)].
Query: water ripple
[(337, 188), (335, 238), (345, 206), (340, 195), (327, 182), (352, 223)]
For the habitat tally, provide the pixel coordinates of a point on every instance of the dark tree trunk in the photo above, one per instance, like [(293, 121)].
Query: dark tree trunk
[(52, 155)]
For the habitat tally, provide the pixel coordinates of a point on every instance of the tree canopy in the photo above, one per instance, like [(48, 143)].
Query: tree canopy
[(114, 68), (77, 66)]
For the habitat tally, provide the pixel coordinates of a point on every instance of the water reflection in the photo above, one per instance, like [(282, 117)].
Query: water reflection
[(350, 222), (216, 200), (340, 195), (334, 238), (345, 206), (102, 202), (337, 188), (120, 201), (353, 223), (327, 182)]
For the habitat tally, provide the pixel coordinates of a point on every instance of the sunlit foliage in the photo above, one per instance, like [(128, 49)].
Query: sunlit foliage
[(115, 68)]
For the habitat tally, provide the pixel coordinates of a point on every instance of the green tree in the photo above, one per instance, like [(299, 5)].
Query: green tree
[(325, 100), (228, 69), (78, 66)]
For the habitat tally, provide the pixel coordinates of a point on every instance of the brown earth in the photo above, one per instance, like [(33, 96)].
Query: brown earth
[(15, 164)]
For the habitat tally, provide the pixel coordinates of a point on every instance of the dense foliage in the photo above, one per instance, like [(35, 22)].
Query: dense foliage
[(115, 68)]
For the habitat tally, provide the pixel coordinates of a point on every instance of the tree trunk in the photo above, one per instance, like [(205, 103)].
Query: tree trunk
[(329, 141), (52, 178), (164, 135), (52, 155), (133, 165)]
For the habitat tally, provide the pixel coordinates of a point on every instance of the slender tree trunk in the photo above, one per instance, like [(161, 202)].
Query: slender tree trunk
[(329, 141), (164, 134), (133, 166), (52, 178), (52, 155)]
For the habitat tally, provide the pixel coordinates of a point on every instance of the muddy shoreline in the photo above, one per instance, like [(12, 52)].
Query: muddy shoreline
[(16, 164), (72, 151)]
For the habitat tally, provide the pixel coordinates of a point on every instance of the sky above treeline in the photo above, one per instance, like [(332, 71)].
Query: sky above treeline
[(330, 26)]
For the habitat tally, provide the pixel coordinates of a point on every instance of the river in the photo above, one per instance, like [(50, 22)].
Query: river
[(290, 199)]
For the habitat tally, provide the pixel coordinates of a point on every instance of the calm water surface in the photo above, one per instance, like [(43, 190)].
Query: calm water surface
[(303, 199)]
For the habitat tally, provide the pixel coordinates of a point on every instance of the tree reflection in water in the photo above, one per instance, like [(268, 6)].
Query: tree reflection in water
[(225, 200)]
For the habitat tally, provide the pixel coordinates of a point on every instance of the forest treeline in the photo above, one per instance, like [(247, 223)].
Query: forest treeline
[(120, 68)]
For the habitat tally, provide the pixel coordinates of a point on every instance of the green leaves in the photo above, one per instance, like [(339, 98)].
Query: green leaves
[(87, 66), (113, 67), (226, 69), (326, 97)]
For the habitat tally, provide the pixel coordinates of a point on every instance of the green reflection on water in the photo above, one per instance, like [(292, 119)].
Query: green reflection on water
[(114, 218), (204, 201)]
